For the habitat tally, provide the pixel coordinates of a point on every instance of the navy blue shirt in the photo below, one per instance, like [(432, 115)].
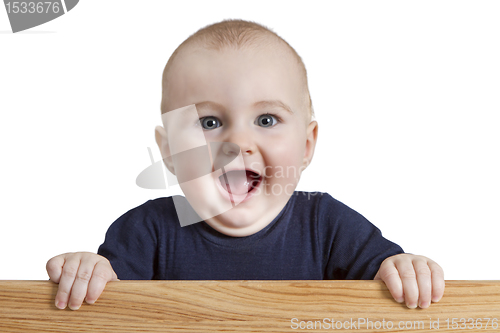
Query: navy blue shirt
[(314, 237)]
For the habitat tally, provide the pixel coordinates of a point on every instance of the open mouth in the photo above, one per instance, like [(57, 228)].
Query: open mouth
[(240, 181)]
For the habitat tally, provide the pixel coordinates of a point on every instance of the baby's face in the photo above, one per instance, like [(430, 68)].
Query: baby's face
[(254, 100)]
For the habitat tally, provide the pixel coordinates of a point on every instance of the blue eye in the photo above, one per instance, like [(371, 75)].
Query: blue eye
[(266, 120), (209, 123)]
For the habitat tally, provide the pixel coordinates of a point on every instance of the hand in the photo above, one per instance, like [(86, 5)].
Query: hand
[(413, 279), (81, 275)]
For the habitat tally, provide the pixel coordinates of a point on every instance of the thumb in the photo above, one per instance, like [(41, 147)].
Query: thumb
[(54, 267)]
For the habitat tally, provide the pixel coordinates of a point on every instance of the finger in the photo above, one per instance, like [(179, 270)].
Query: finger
[(80, 285), (389, 274), (423, 273), (437, 281), (408, 278), (101, 275), (69, 270), (54, 267)]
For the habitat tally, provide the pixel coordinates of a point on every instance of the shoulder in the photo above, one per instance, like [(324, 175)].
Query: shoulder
[(321, 201), (150, 214), (163, 206), (327, 210)]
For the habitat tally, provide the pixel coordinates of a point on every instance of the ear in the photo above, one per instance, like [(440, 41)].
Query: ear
[(162, 142), (311, 137)]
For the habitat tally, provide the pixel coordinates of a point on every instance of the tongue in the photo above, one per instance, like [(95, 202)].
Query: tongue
[(235, 182)]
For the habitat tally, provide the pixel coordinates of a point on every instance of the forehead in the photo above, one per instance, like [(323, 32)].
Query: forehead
[(235, 78)]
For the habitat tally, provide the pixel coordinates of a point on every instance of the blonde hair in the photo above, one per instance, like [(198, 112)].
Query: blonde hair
[(235, 34)]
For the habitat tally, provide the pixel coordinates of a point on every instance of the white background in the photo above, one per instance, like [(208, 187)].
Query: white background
[(406, 95)]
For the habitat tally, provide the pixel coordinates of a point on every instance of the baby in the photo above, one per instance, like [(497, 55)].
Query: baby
[(238, 131)]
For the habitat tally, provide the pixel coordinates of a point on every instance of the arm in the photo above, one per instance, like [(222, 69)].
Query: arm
[(355, 247)]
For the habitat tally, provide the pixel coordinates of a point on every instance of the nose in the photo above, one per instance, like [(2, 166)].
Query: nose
[(243, 139)]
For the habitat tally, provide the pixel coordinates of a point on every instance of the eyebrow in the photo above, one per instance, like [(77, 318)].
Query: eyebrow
[(273, 103), (260, 104)]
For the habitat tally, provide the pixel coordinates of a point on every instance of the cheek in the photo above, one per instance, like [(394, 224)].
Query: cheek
[(290, 147), (285, 160), (191, 163)]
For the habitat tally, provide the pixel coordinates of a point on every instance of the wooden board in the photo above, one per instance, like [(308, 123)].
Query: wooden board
[(249, 306)]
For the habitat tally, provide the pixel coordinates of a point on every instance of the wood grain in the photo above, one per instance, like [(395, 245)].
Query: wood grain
[(246, 306)]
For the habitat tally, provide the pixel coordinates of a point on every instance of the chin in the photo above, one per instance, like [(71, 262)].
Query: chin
[(235, 219), (236, 231), (236, 223)]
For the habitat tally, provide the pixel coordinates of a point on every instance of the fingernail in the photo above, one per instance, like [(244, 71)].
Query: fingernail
[(400, 300), (411, 306), (60, 305), (90, 301), (73, 307), (423, 305)]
